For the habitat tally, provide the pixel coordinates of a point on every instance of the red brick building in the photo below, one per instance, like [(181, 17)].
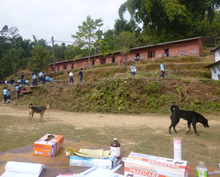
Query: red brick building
[(145, 52)]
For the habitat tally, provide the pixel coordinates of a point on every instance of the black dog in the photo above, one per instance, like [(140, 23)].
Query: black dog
[(190, 116)]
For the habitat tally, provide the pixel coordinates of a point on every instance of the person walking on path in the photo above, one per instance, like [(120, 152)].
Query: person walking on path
[(85, 66), (5, 94), (133, 70), (81, 75), (162, 69), (191, 51), (71, 77), (8, 95)]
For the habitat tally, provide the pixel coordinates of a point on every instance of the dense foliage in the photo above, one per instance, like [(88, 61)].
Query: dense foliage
[(169, 20)]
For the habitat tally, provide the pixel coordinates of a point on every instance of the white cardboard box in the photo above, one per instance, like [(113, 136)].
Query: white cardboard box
[(139, 165)]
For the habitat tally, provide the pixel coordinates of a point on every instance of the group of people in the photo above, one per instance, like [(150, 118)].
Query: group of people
[(7, 93), (167, 54), (42, 78), (20, 81), (137, 58), (162, 69), (80, 74)]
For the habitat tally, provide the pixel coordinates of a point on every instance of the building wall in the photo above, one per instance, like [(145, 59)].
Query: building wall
[(216, 72), (217, 55), (175, 49)]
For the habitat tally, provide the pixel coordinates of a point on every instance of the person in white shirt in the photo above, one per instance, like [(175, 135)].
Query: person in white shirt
[(71, 77)]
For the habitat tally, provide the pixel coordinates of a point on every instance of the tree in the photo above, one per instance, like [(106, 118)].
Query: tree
[(109, 38), (123, 25), (171, 19), (125, 41), (39, 60), (9, 32), (87, 34)]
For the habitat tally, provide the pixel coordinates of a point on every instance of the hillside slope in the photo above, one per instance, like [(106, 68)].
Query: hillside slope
[(133, 95)]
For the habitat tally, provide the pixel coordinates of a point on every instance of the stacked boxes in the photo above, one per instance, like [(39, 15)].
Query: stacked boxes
[(48, 146), (139, 165)]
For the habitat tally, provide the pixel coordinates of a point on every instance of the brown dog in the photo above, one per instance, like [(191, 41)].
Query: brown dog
[(40, 110)]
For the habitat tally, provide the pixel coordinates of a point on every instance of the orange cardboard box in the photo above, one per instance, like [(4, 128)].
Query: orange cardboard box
[(48, 146)]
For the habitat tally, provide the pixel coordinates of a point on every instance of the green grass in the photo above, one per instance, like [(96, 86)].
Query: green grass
[(16, 132)]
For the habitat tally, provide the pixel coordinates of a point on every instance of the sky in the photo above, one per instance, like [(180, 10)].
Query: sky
[(57, 18)]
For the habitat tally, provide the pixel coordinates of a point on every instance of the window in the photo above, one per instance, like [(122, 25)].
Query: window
[(58, 68), (137, 54), (151, 54), (52, 68), (93, 62), (113, 59), (72, 66), (166, 50), (64, 67), (103, 61)]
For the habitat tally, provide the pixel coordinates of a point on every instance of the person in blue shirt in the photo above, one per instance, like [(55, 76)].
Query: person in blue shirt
[(47, 78), (8, 95), (22, 78), (41, 77), (182, 53), (18, 90), (51, 79), (5, 94), (34, 72), (162, 69), (34, 79), (6, 81), (81, 75), (11, 81), (85, 66), (19, 81), (133, 70), (26, 82)]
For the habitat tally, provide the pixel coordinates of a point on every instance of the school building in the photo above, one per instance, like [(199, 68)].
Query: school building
[(174, 48), (215, 67)]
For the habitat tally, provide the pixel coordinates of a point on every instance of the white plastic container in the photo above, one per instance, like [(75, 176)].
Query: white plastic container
[(177, 149), (201, 170)]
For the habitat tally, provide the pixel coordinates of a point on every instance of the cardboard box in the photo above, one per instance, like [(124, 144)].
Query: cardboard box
[(48, 146), (139, 165)]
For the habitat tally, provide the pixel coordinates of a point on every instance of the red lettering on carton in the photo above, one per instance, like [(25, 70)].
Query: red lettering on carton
[(142, 172)]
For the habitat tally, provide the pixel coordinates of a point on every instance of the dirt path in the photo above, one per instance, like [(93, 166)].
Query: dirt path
[(82, 120)]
